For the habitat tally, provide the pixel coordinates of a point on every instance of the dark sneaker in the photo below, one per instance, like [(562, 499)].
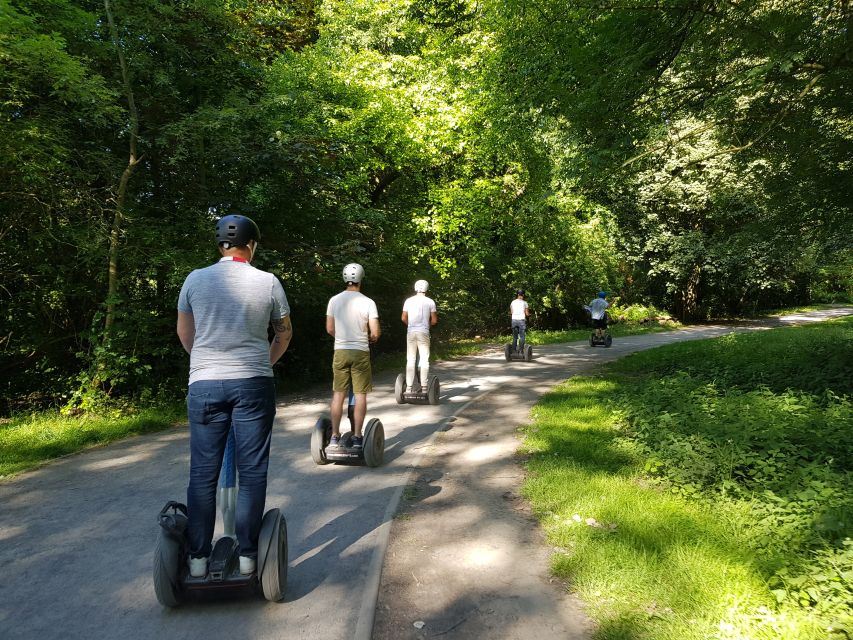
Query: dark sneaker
[(357, 442), (335, 441)]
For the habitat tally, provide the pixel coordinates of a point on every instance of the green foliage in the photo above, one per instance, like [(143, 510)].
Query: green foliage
[(481, 145), (637, 313), (27, 441), (778, 440), (718, 136), (716, 475)]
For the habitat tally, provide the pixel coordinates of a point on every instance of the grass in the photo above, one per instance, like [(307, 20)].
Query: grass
[(464, 347), (27, 441), (705, 490), (782, 311), (535, 336)]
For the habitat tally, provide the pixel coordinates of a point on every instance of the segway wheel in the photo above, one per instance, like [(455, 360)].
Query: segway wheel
[(433, 390), (167, 569), (592, 340), (399, 388), (272, 555), (508, 352), (374, 443), (608, 340), (320, 438), (528, 353)]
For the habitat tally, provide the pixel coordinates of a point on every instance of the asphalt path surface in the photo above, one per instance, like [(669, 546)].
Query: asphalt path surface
[(77, 536)]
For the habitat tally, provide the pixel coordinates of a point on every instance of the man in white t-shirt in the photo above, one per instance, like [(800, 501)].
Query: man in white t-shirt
[(353, 321), (519, 311), (419, 314)]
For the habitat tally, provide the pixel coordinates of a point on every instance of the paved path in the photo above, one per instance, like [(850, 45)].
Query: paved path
[(76, 536)]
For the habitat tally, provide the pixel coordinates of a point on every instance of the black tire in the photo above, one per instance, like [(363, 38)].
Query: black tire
[(399, 388), (374, 443), (592, 340), (272, 556), (320, 438), (508, 352), (168, 555), (608, 340), (433, 390), (528, 353)]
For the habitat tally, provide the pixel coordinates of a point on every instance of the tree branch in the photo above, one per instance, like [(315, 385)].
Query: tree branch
[(133, 160), (775, 121), (667, 145)]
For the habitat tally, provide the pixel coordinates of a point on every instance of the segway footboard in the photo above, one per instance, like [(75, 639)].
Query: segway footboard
[(525, 354), (421, 395)]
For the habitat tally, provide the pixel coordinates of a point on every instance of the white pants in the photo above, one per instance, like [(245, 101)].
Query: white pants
[(417, 344)]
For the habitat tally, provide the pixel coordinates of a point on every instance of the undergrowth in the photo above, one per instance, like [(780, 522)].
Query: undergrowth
[(705, 489)]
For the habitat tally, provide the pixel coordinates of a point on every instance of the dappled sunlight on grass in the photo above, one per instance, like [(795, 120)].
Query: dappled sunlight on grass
[(648, 481), (26, 442)]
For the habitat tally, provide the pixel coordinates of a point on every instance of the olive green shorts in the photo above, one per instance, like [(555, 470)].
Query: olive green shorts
[(350, 366)]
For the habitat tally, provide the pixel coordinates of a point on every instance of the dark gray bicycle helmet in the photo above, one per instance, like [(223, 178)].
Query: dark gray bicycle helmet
[(236, 231)]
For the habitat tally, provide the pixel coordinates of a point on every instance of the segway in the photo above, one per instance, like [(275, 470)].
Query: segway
[(418, 394), (600, 341), (172, 580), (525, 354), (371, 452)]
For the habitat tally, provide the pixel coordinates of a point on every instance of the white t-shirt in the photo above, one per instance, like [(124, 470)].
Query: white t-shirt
[(517, 307), (351, 311), (419, 308), (597, 307)]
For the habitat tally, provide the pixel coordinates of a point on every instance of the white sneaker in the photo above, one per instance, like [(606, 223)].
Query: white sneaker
[(198, 567), (247, 565)]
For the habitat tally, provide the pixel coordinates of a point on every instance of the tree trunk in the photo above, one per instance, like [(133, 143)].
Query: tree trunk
[(687, 303), (133, 160)]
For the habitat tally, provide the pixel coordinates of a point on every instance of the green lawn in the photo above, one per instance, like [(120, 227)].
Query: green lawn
[(26, 441), (705, 490)]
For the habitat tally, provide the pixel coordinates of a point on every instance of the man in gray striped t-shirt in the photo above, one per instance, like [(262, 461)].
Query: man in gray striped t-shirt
[(224, 311)]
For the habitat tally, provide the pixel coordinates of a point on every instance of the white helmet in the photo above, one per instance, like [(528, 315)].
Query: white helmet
[(354, 273), (421, 286)]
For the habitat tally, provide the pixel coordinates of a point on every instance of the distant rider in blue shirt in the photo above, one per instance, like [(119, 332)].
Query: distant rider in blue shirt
[(598, 310)]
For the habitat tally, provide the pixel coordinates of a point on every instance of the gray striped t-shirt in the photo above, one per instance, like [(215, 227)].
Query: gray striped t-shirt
[(232, 304)]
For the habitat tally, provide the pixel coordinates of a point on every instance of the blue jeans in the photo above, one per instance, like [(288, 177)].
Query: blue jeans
[(518, 327), (213, 407)]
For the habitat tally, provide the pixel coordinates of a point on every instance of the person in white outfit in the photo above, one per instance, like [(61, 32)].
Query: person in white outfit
[(419, 314), (519, 311)]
